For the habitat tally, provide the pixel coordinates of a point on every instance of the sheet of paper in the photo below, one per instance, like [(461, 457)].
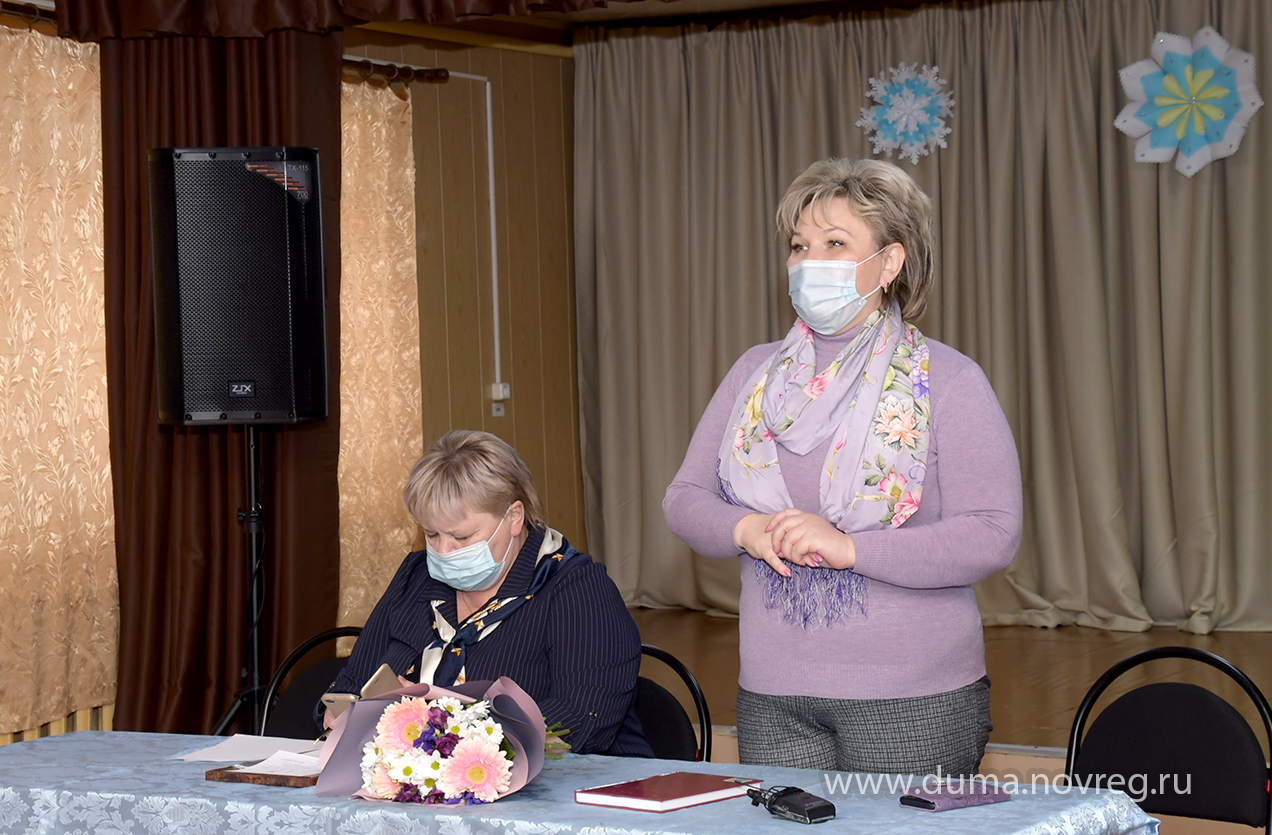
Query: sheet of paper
[(285, 762), (241, 747)]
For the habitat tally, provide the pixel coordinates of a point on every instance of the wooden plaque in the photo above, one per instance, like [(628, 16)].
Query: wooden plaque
[(241, 774)]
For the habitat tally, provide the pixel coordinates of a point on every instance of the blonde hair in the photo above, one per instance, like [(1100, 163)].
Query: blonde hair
[(470, 471), (890, 203)]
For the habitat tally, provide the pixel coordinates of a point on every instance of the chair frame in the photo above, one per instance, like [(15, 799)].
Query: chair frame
[(1218, 662), (699, 700), (271, 692)]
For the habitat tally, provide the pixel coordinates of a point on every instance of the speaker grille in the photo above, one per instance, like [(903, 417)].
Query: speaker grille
[(238, 285), (232, 242)]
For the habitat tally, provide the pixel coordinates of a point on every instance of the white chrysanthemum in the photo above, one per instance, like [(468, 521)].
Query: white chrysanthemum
[(451, 706), (370, 753), (430, 769), (370, 756), (429, 781), (415, 767), (485, 729), (474, 712)]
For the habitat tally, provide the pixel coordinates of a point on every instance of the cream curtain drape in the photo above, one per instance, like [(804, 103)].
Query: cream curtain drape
[(58, 588), (381, 432), (1117, 307)]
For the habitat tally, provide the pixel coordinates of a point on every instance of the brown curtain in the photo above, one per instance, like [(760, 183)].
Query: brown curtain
[(450, 11), (97, 19), (1117, 307), (181, 553)]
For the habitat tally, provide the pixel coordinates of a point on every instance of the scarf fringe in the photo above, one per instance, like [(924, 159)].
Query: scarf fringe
[(812, 597)]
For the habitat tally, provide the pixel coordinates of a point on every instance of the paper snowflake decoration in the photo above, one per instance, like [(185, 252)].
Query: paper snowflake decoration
[(1194, 98), (910, 114)]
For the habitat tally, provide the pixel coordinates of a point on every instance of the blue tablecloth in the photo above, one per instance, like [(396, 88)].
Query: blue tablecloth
[(103, 782)]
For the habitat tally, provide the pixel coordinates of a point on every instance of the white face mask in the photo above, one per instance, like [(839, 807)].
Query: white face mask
[(469, 568), (824, 293)]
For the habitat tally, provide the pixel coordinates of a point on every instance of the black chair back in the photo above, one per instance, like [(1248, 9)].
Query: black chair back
[(664, 720), (1178, 749), (291, 714)]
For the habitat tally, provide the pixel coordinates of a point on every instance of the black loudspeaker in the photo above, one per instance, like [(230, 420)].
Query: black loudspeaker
[(240, 298)]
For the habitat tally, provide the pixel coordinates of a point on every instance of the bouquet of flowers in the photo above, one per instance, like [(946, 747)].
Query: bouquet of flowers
[(437, 751), (471, 743)]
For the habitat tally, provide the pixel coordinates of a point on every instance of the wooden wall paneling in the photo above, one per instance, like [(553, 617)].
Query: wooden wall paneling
[(485, 62), (476, 91), (555, 293), (430, 251), (461, 167), (567, 98), (533, 140), (504, 199), (525, 367)]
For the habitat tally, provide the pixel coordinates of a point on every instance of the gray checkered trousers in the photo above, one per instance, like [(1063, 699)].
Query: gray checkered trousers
[(887, 736)]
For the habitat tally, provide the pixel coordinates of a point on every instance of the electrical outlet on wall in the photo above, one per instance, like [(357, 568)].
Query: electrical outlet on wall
[(496, 409)]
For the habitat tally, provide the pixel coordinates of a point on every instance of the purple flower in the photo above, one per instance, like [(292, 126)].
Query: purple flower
[(427, 740), (409, 794), (919, 372), (438, 718), (446, 744)]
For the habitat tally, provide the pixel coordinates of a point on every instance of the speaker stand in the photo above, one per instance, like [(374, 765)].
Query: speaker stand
[(253, 521)]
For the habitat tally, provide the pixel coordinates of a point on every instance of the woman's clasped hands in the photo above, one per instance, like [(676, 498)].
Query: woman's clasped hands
[(796, 537)]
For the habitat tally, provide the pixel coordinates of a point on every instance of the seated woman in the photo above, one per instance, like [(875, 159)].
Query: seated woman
[(496, 592)]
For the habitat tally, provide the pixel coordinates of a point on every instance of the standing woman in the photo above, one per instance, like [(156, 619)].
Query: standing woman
[(866, 477)]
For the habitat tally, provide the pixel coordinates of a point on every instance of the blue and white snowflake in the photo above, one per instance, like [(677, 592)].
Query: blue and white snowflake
[(910, 114), (1194, 98)]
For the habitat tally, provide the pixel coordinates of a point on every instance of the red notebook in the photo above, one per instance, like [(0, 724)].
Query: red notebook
[(665, 792)]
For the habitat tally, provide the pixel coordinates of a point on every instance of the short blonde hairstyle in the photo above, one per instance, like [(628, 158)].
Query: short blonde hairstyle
[(891, 204), (475, 472)]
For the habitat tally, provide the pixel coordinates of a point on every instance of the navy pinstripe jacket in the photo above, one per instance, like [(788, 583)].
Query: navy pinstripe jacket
[(573, 646)]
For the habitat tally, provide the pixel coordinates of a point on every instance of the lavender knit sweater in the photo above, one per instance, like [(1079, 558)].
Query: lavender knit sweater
[(921, 631)]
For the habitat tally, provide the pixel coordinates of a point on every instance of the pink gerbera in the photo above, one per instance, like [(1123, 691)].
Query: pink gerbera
[(478, 766), (400, 725), (382, 785)]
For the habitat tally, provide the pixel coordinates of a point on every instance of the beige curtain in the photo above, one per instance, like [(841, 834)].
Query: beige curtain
[(1117, 307), (381, 431), (58, 588)]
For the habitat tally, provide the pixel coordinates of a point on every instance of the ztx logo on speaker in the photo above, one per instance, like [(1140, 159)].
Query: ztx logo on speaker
[(242, 388)]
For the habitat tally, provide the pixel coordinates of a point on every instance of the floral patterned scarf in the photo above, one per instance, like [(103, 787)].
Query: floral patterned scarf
[(872, 404)]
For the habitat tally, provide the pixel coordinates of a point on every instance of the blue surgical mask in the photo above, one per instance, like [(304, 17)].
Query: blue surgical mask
[(469, 568), (824, 293)]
